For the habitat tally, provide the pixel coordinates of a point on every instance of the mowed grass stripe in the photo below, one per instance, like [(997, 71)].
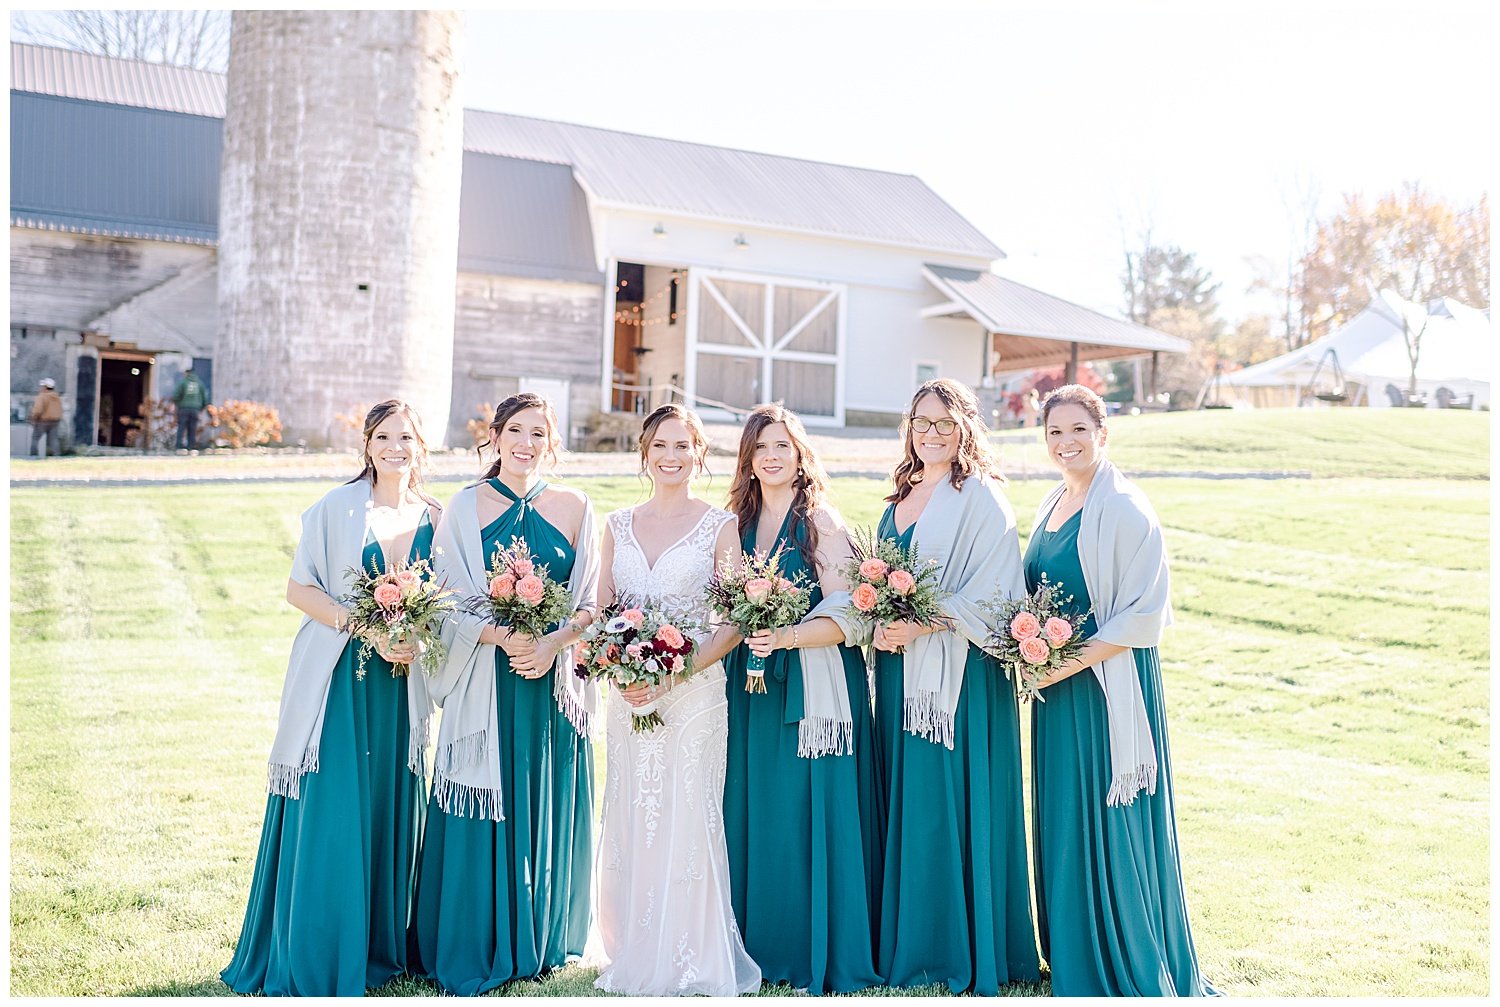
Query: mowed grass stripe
[(1331, 791)]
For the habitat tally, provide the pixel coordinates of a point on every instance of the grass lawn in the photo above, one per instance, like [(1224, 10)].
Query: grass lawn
[(1327, 682)]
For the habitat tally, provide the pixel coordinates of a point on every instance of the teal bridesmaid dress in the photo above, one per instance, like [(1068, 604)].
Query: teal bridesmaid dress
[(331, 895), (1110, 907), (803, 836), (956, 905), (505, 900)]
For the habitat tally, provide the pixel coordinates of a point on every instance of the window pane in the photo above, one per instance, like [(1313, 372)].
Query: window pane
[(732, 380), (804, 388)]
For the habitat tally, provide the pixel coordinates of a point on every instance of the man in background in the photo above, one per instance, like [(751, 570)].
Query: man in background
[(46, 414), (190, 397)]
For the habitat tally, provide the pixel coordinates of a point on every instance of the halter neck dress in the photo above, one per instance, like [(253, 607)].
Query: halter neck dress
[(332, 889), (803, 834), (505, 900)]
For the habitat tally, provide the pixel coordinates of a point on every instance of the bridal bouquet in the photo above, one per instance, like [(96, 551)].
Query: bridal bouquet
[(755, 596), (521, 595), (404, 603), (1033, 636), (637, 643), (891, 584)]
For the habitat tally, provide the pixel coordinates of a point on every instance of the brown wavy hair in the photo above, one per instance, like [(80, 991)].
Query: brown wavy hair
[(974, 453), (811, 481), (689, 419), (510, 407), (378, 414)]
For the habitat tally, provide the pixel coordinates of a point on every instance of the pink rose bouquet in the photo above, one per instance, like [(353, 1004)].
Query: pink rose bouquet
[(404, 603), (891, 584), (1034, 635), (636, 643), (521, 594), (756, 596)]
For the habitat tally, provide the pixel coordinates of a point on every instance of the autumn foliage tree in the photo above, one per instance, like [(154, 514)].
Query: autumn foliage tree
[(1167, 290), (1409, 241)]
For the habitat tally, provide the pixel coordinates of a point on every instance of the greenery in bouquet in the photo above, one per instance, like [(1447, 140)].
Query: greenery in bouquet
[(637, 643), (1034, 635), (753, 595), (521, 595), (889, 583), (403, 604)]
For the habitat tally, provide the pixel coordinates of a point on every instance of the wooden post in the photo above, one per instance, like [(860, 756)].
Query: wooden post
[(1155, 360), (1071, 377)]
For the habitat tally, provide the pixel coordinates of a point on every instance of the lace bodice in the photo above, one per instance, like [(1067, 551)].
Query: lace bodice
[(681, 573)]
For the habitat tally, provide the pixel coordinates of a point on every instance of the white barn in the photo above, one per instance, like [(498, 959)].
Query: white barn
[(608, 269)]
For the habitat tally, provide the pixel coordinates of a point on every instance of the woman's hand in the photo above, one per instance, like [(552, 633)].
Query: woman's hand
[(538, 662), (516, 645), (763, 641), (394, 651), (895, 636), (640, 694)]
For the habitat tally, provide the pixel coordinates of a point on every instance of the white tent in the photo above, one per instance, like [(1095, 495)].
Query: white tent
[(1457, 353)]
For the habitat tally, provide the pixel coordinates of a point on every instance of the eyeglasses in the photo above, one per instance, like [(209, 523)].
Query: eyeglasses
[(922, 424)]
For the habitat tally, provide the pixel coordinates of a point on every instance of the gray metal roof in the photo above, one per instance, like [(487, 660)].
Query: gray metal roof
[(87, 77), (654, 174), (619, 169), (1012, 309), (105, 169), (523, 218)]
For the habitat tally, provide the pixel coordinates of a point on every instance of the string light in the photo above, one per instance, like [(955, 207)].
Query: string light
[(634, 315)]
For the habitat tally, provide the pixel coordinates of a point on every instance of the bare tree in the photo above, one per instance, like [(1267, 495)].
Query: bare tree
[(193, 38)]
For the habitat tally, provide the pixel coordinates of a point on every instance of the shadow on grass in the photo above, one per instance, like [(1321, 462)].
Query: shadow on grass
[(573, 981)]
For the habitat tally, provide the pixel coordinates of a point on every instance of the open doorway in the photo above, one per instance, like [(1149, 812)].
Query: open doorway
[(123, 383), (650, 336)]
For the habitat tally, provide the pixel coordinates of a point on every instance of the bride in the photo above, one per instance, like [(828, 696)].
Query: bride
[(664, 915)]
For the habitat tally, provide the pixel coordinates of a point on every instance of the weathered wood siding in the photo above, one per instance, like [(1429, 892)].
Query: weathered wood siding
[(509, 328)]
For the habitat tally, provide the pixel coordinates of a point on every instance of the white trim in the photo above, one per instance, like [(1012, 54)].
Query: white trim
[(944, 310), (734, 316), (607, 365), (690, 336)]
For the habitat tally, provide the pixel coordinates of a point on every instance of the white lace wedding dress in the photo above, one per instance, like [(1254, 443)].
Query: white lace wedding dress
[(665, 924)]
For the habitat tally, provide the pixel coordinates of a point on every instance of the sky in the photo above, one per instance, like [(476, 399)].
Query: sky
[(1060, 131)]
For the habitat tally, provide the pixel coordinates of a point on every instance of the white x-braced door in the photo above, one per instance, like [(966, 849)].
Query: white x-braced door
[(754, 339)]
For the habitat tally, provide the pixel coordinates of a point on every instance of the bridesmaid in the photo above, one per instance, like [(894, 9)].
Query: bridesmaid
[(955, 906), (799, 797), (1107, 867), (504, 886), (332, 886)]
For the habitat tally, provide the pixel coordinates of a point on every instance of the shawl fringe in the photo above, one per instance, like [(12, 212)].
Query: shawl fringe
[(567, 703), (819, 736), (464, 801), (1127, 785), (285, 780), (450, 758), (416, 747), (921, 715)]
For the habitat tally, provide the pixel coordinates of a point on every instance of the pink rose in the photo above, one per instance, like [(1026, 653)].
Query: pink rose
[(865, 598), (678, 664), (531, 588), (407, 579), (873, 569), (602, 660), (503, 586), (1058, 631), (634, 616), (1035, 650), (522, 568), (785, 584), (671, 636), (1024, 626), (902, 582), (387, 596), (633, 649), (613, 653), (757, 588)]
